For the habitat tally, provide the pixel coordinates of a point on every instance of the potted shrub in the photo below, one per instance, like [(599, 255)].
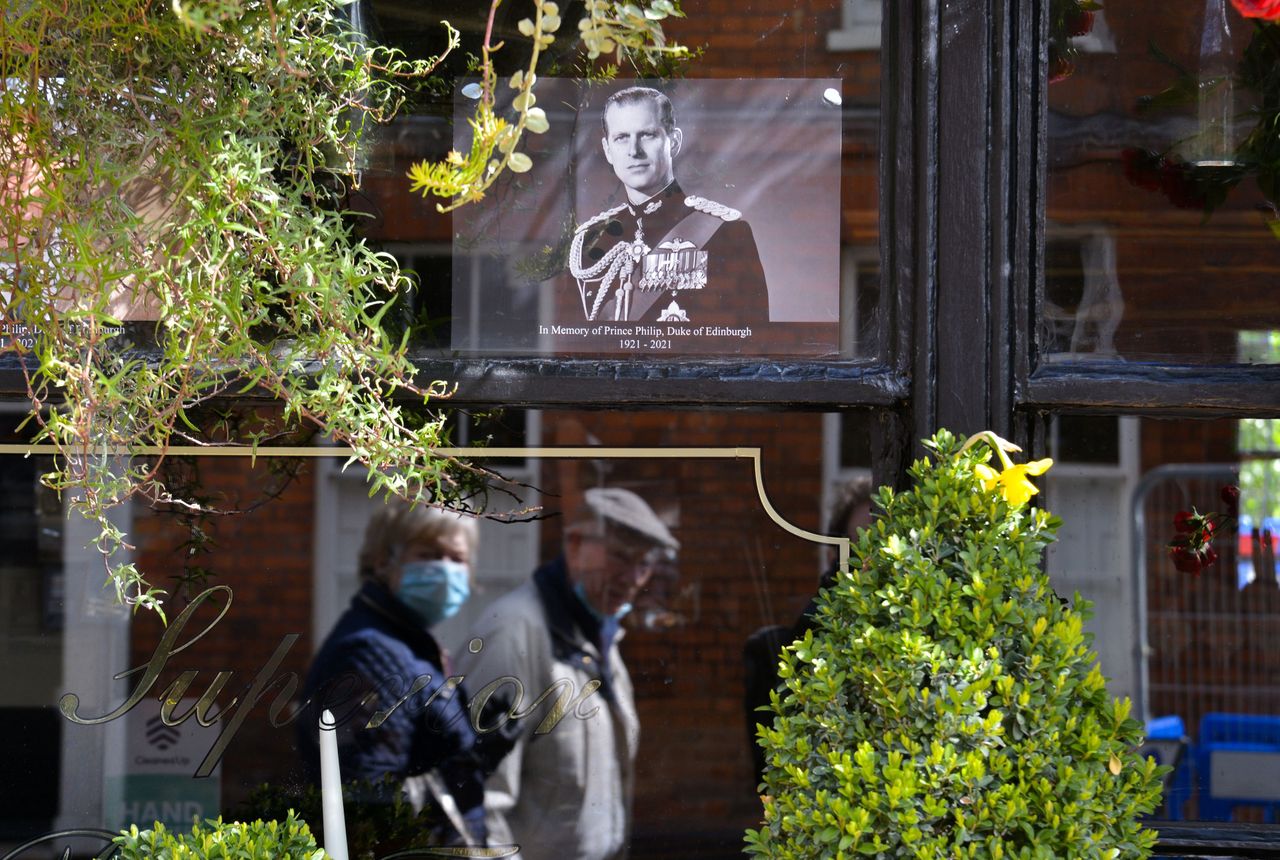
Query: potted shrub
[(948, 703)]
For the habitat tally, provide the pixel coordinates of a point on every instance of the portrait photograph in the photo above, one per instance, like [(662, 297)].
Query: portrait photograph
[(681, 218)]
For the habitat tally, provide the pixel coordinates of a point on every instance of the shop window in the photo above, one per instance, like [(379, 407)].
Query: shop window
[(1090, 487), (505, 554), (1082, 304)]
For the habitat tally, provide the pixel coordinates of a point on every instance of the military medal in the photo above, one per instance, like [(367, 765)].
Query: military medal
[(674, 265), (673, 313)]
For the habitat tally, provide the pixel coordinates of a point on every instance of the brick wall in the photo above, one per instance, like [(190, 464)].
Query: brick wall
[(265, 557)]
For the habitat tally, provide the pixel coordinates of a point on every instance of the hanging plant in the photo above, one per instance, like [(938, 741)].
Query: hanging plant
[(188, 162), (1193, 184)]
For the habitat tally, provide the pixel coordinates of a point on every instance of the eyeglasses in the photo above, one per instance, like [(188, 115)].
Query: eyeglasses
[(627, 554)]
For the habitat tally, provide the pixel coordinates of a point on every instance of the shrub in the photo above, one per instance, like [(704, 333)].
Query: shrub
[(948, 703), (216, 840)]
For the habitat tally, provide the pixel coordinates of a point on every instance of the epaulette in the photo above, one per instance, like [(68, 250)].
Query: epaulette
[(719, 210), (603, 216)]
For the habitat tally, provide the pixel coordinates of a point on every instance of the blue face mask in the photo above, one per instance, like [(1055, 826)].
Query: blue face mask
[(436, 589), (623, 611)]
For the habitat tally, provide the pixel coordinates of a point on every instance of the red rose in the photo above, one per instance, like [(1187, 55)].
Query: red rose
[(1266, 9), (1186, 561), (1142, 168), (1210, 555), (1231, 498), (1182, 521)]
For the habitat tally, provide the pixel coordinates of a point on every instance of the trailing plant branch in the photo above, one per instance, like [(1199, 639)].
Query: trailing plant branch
[(634, 32), (183, 163)]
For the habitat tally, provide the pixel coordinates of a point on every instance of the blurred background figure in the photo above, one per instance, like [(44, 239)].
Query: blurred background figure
[(850, 511), (565, 792), (400, 716)]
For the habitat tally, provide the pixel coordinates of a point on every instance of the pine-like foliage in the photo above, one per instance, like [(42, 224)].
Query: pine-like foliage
[(948, 703)]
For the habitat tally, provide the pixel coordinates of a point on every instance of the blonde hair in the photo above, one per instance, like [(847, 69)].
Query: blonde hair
[(397, 524)]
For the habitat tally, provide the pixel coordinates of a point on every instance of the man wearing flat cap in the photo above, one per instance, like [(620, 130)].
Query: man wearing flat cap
[(663, 255), (565, 791)]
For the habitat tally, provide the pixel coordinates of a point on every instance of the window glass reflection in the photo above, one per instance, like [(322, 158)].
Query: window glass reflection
[(1162, 199), (1173, 543), (778, 117), (685, 564)]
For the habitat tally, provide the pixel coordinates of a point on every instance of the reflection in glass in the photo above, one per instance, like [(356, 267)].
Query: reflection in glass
[(1194, 645), (823, 301), (1162, 188), (291, 566), (1214, 140)]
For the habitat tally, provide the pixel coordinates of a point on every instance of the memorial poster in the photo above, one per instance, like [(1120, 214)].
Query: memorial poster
[(687, 218)]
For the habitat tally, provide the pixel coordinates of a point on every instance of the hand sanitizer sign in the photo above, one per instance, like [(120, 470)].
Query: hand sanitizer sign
[(155, 782)]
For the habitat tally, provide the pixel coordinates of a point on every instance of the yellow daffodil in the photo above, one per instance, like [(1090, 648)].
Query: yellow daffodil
[(1011, 480)]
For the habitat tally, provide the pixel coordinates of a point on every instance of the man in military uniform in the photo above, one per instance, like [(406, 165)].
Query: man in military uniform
[(663, 256)]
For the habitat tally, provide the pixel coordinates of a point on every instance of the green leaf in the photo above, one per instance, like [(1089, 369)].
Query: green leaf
[(519, 162), (536, 121)]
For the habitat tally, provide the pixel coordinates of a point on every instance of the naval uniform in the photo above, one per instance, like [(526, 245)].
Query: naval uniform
[(674, 258)]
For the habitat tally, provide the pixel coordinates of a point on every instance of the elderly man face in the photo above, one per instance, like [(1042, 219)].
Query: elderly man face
[(611, 565), (639, 148)]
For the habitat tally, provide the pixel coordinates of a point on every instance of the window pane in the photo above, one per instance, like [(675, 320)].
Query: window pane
[(763, 240), (291, 553), (1182, 575), (1161, 241)]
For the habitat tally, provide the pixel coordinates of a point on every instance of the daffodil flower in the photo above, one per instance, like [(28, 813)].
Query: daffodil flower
[(1012, 479)]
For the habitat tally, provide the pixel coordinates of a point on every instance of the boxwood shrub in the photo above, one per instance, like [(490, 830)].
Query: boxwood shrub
[(948, 703), (290, 839)]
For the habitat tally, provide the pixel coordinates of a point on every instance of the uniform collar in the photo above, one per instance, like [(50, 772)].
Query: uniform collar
[(655, 201)]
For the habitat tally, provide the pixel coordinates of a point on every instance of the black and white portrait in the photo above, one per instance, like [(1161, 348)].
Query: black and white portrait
[(662, 255), (677, 218)]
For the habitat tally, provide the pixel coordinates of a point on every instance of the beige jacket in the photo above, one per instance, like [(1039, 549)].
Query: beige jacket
[(565, 790)]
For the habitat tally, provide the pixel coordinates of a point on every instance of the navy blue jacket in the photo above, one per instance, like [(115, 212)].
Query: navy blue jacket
[(379, 665)]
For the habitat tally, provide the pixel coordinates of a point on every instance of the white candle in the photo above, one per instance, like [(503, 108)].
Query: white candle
[(335, 823)]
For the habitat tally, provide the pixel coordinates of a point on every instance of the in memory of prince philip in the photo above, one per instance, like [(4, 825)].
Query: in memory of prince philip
[(662, 219)]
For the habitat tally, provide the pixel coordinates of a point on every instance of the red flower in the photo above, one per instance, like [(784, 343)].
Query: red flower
[(1266, 9), (1186, 560), (1230, 493), (1061, 68), (1183, 521), (1142, 168), (1210, 556)]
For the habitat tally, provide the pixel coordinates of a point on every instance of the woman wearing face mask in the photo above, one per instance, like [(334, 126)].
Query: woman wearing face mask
[(383, 675)]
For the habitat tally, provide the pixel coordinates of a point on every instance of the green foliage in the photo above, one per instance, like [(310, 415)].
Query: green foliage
[(188, 162), (216, 840), (948, 704), (181, 162), (607, 26)]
